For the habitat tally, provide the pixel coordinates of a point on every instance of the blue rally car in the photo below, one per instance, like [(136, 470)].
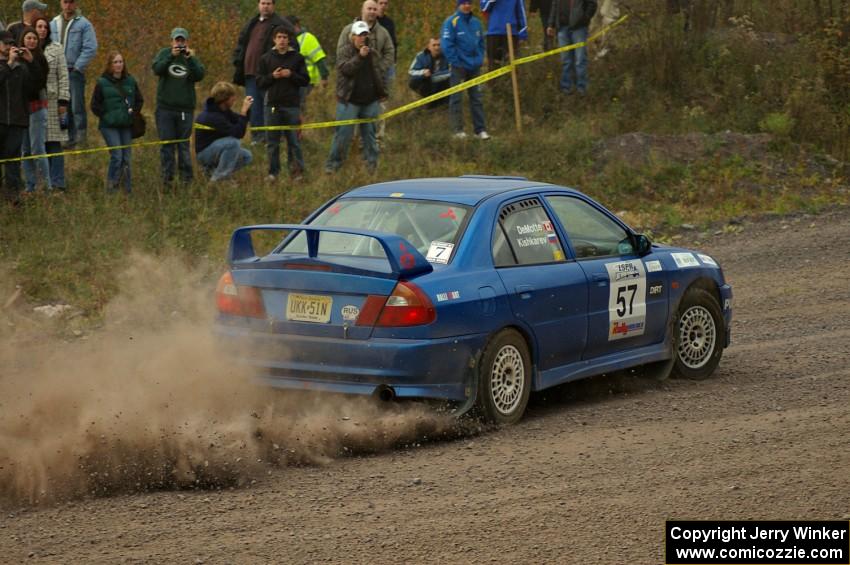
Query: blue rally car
[(475, 290)]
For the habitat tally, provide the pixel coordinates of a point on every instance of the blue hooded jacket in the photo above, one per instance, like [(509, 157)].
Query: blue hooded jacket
[(501, 12), (463, 41)]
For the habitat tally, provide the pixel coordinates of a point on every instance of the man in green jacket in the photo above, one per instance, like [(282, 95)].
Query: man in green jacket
[(178, 70)]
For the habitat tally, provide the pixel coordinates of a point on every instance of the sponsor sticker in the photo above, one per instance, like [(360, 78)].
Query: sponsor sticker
[(529, 228), (547, 226), (653, 266), (620, 330), (557, 255), (727, 304), (397, 195), (350, 313), (626, 299), (440, 252), (532, 241), (684, 260), (446, 296), (707, 260)]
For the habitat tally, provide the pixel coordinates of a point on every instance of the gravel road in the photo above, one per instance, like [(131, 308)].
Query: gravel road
[(589, 476)]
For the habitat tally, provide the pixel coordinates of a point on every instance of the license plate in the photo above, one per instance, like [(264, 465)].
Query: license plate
[(309, 308)]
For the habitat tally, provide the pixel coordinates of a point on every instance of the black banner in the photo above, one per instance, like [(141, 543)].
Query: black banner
[(757, 543)]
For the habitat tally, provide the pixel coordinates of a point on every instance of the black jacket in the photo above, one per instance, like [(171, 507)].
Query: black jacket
[(562, 16), (13, 104), (284, 92), (38, 71), (225, 123), (349, 64), (242, 44)]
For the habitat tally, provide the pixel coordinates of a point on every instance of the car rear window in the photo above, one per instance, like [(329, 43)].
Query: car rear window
[(432, 227)]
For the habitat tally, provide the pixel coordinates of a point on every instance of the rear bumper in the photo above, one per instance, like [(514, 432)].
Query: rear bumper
[(434, 368)]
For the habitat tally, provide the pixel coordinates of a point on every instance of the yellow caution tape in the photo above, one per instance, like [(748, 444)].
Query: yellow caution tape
[(486, 77), (94, 150)]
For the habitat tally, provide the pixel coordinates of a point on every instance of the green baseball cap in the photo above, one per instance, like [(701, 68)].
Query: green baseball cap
[(179, 32)]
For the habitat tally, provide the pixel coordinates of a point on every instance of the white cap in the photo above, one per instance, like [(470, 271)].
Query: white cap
[(359, 28)]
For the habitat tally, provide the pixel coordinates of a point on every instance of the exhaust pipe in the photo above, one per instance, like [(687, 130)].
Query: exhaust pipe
[(384, 393)]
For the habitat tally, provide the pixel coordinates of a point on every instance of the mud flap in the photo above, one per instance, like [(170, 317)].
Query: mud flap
[(471, 387)]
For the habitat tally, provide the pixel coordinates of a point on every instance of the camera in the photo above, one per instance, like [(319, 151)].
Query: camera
[(182, 48)]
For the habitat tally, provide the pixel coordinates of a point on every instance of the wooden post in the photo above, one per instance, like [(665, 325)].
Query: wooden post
[(517, 110)]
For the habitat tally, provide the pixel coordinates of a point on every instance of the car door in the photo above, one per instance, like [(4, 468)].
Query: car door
[(547, 292), (627, 294)]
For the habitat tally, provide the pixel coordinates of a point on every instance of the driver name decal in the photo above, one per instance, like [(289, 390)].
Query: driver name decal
[(626, 299)]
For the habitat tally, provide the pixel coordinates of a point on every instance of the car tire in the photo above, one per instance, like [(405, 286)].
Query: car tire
[(699, 335), (504, 378)]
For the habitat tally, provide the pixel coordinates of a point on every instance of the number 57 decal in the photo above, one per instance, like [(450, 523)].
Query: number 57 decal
[(626, 299)]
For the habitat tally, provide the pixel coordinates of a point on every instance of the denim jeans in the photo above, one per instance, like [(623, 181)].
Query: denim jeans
[(11, 138), (119, 159), (57, 165), (426, 87), (294, 157), (576, 58), (476, 106), (171, 124), (77, 121), (223, 157), (257, 116), (342, 135), (34, 144)]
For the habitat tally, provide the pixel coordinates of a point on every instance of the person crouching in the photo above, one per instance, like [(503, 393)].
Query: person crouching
[(429, 72), (219, 129)]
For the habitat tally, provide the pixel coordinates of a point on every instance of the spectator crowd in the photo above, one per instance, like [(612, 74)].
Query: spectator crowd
[(44, 66)]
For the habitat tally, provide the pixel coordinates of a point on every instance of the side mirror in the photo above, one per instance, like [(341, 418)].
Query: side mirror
[(643, 245)]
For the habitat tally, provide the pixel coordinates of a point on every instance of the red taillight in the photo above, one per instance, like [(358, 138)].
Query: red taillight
[(406, 306), (238, 300)]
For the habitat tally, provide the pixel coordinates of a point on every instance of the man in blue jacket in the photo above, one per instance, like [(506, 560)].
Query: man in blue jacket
[(76, 34), (499, 13), (429, 72), (463, 43)]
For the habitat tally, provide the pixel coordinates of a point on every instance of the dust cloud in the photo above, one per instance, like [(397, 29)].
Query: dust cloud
[(149, 401)]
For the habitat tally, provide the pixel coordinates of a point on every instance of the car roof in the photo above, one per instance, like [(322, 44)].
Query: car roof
[(467, 190)]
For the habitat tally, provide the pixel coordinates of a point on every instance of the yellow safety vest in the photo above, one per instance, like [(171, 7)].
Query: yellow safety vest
[(312, 52)]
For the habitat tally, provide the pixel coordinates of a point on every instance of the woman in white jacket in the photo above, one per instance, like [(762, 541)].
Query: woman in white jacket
[(58, 101)]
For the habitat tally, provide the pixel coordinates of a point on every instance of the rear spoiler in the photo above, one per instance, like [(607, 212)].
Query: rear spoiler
[(405, 261)]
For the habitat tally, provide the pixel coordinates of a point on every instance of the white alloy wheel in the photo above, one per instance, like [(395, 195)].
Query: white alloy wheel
[(504, 378), (697, 337), (507, 380)]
